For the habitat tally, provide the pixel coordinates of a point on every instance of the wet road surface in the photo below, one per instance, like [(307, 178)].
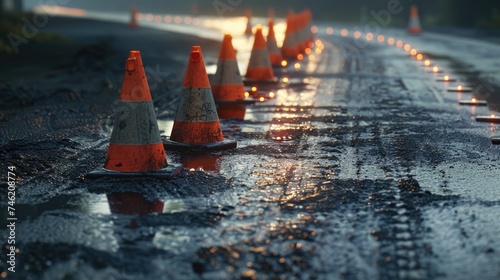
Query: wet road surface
[(381, 176)]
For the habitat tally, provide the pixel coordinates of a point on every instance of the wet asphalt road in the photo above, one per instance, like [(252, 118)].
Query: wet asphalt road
[(382, 176)]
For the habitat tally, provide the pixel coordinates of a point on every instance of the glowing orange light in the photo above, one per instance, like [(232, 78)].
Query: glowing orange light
[(284, 63), (413, 52), (473, 100), (460, 88), (300, 56), (493, 116), (407, 47), (390, 41), (318, 42), (168, 19), (329, 31), (262, 99), (314, 29), (297, 65), (271, 94), (247, 94), (311, 57), (369, 36), (420, 56), (285, 80), (446, 78), (308, 51), (357, 34), (344, 32), (254, 89), (399, 44), (380, 38), (318, 51), (435, 69), (427, 63)]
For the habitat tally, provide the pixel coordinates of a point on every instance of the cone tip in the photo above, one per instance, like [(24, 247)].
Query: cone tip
[(195, 55)]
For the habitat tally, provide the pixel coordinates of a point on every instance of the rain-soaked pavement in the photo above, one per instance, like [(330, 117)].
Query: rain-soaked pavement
[(362, 167)]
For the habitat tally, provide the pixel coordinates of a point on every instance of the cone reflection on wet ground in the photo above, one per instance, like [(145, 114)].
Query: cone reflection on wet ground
[(206, 162), (133, 204)]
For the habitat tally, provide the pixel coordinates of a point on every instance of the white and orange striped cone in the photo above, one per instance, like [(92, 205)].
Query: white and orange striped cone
[(259, 67), (227, 83), (289, 48), (272, 47), (414, 23), (135, 147), (197, 125), (133, 18), (248, 29)]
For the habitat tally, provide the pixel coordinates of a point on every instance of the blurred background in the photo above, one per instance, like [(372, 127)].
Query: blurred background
[(458, 13)]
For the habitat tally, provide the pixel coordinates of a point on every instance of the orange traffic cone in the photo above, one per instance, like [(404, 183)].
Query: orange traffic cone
[(197, 125), (272, 46), (259, 67), (227, 84), (289, 48), (248, 30), (135, 147), (133, 18), (133, 204), (414, 24)]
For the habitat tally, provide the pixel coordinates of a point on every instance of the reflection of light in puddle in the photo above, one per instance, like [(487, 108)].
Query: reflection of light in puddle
[(173, 206), (100, 205), (166, 126)]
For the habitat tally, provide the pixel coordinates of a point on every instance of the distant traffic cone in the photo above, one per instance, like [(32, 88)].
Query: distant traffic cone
[(259, 67), (197, 125), (227, 84), (289, 48), (272, 46), (414, 24), (248, 30), (135, 147), (133, 18), (133, 204)]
